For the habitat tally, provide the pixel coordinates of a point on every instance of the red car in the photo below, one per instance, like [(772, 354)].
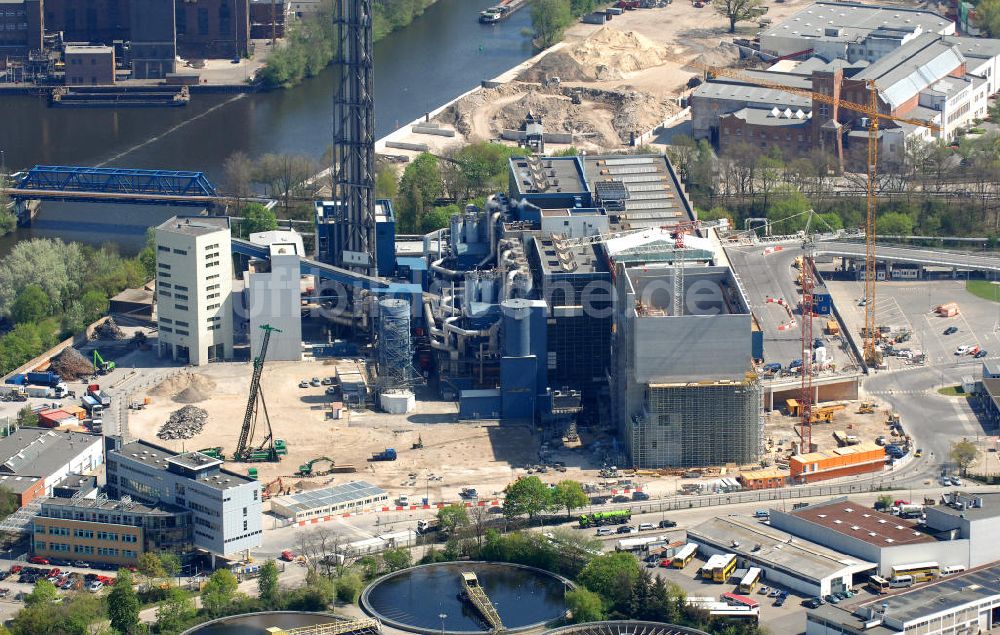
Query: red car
[(287, 555), (38, 560)]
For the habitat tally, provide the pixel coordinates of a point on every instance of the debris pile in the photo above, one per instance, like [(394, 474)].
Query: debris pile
[(109, 330), (606, 55), (185, 388), (185, 423), (70, 364)]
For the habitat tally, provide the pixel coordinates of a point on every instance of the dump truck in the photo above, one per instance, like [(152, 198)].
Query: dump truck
[(103, 398), (427, 526), (388, 454)]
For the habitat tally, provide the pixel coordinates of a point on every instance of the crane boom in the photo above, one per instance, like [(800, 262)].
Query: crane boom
[(871, 110), (243, 449)]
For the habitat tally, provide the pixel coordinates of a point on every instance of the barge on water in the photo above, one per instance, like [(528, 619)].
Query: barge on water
[(120, 96), (500, 12)]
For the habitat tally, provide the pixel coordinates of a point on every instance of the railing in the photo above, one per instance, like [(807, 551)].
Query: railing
[(336, 628), (478, 598)]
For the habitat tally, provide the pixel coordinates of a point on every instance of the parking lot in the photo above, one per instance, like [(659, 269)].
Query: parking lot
[(911, 305)]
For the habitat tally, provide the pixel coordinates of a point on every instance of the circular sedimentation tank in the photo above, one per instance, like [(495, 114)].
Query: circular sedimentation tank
[(258, 623), (415, 599), (625, 627)]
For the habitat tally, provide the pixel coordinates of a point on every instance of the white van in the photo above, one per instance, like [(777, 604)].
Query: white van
[(952, 569), (403, 500), (646, 527), (605, 531), (901, 582)]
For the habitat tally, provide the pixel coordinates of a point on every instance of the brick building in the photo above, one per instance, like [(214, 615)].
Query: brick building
[(213, 28), (89, 65), (765, 478), (849, 461), (153, 34), (97, 21), (21, 27), (268, 18)]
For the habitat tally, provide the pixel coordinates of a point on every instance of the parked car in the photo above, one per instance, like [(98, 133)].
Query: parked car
[(919, 453), (780, 600), (605, 531), (956, 481), (95, 586), (774, 593), (304, 383), (772, 367), (951, 330), (813, 603), (640, 496), (764, 590), (38, 560), (327, 381), (840, 595), (981, 354), (625, 529), (762, 514), (667, 524), (646, 527), (945, 481), (795, 363), (621, 498), (963, 349), (832, 599)]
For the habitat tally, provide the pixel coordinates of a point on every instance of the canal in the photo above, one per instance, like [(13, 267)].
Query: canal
[(440, 55)]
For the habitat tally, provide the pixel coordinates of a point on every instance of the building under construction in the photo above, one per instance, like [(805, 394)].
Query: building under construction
[(683, 388)]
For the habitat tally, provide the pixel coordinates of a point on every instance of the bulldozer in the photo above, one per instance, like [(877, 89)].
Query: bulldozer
[(866, 408)]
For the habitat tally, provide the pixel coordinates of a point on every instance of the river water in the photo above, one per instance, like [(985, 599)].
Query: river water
[(440, 55)]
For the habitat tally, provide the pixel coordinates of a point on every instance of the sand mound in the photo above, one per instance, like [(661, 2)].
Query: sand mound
[(726, 54), (607, 54), (185, 388)]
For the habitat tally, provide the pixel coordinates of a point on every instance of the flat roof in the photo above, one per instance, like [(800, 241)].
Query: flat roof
[(108, 504), (18, 483), (861, 522), (864, 446), (41, 451), (992, 387), (976, 506), (767, 472), (652, 186), (854, 20), (567, 260), (159, 458), (195, 225), (768, 117), (329, 496), (913, 67), (88, 48), (729, 89), (770, 547), (548, 175)]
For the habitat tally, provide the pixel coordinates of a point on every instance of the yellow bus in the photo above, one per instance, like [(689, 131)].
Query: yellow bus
[(878, 585), (684, 557), (719, 567), (920, 571), (750, 581)]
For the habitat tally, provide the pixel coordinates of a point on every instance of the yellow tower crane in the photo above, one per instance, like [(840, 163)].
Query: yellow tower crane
[(871, 110)]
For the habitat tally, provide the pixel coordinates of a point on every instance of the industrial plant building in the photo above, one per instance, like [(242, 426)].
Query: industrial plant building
[(966, 602), (337, 500), (109, 531), (804, 566), (35, 460), (194, 284), (225, 507), (273, 295)]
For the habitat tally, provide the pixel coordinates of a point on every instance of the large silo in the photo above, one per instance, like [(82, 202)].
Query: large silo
[(394, 349)]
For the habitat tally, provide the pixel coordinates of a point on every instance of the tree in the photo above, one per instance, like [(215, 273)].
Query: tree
[(170, 562), (147, 257), (988, 17), (30, 305), (738, 10), (964, 454), (786, 212), (438, 217), (123, 604), (151, 567), (883, 502), (396, 559), (284, 174), (175, 611), (267, 584), (895, 224), (26, 417), (219, 591), (94, 305), (44, 593), (257, 218), (349, 587), (528, 495), (238, 171), (569, 495), (585, 605), (611, 576), (451, 517), (549, 18), (386, 181), (419, 186)]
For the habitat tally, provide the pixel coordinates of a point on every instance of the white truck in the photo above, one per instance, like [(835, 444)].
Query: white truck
[(57, 392), (636, 544)]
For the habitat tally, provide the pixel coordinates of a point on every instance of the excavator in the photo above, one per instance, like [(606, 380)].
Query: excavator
[(101, 365), (330, 467)]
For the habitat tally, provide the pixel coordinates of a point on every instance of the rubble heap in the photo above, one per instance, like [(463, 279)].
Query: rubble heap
[(109, 330), (70, 364), (184, 423)]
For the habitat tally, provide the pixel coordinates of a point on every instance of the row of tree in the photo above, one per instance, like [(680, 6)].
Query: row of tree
[(49, 289), (466, 175), (310, 45), (550, 18), (937, 189)]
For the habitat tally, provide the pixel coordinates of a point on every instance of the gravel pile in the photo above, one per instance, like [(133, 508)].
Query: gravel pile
[(109, 330), (185, 423), (70, 364)]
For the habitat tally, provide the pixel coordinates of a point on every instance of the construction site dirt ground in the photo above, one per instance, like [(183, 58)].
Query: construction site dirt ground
[(780, 430)]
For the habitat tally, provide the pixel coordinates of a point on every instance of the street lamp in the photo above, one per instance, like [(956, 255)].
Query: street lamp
[(442, 617)]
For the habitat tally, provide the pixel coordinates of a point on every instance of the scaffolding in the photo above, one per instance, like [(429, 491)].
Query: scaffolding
[(395, 351), (698, 424)]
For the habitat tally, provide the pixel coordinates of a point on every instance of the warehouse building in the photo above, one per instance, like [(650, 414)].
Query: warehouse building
[(963, 603), (194, 284), (970, 523), (860, 531), (109, 531), (325, 502), (801, 565), (225, 506), (863, 458), (47, 455)]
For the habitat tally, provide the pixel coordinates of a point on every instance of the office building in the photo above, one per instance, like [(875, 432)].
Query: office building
[(225, 507), (194, 283), (109, 531)]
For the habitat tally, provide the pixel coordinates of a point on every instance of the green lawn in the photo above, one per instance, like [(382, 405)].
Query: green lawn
[(952, 391), (984, 289)]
